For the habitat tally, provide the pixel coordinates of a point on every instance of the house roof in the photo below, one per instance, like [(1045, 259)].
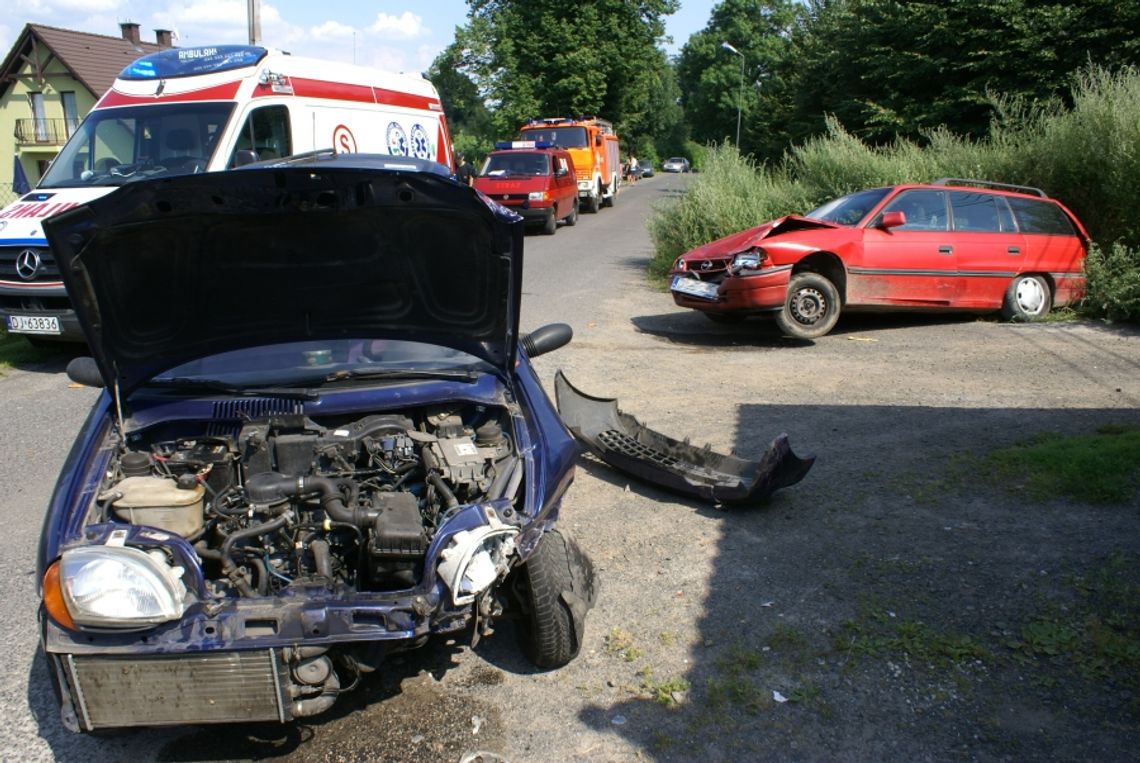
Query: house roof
[(93, 59)]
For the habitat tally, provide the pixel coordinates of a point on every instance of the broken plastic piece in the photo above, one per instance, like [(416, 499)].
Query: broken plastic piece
[(622, 442)]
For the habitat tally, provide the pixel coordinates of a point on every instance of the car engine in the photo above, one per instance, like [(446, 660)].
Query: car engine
[(290, 500)]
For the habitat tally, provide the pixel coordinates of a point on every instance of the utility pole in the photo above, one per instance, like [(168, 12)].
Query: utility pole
[(253, 12), (740, 93)]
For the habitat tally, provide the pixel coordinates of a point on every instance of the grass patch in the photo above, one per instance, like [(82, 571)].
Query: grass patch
[(1103, 468), (15, 351), (735, 691), (738, 659), (1099, 634), (620, 643), (666, 692), (874, 632)]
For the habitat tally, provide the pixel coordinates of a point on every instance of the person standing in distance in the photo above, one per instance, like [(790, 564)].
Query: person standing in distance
[(465, 172)]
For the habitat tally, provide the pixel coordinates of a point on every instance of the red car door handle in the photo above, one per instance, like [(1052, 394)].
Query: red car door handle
[(946, 250), (1014, 250)]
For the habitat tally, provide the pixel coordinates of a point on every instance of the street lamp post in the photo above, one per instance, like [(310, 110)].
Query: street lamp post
[(740, 93)]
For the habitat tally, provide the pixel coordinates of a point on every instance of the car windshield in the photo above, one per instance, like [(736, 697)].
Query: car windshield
[(311, 363), (121, 145), (850, 209), (516, 164)]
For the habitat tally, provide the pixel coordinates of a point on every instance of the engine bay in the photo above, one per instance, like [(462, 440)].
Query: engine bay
[(288, 500)]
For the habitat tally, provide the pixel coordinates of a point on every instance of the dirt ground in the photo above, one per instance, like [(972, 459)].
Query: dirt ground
[(895, 605)]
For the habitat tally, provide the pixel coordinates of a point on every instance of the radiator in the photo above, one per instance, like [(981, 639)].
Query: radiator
[(222, 687)]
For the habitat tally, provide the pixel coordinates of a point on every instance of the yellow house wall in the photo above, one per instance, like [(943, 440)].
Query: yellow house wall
[(15, 105)]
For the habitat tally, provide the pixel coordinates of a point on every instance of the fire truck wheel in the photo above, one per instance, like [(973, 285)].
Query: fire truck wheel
[(594, 203)]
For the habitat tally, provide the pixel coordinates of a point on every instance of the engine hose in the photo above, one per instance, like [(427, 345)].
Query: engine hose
[(321, 558), (269, 488), (330, 689), (229, 567), (437, 482)]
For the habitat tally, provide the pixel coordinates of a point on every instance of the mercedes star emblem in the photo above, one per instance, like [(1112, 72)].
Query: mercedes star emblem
[(27, 264)]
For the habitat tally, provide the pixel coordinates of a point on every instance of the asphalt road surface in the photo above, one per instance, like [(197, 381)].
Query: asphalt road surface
[(708, 619)]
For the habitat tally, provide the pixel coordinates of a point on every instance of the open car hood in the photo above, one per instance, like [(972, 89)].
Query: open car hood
[(353, 246)]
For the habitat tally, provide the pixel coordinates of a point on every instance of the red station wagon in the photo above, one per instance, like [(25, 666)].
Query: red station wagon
[(951, 245), (533, 179)]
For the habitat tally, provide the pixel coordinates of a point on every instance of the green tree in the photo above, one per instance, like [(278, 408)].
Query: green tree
[(887, 68), (710, 75), (469, 119), (540, 58)]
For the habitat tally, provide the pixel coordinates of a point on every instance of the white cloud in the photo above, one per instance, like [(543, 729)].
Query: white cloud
[(406, 26), (332, 31)]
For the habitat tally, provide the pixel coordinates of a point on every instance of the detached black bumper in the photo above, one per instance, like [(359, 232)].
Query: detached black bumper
[(621, 441)]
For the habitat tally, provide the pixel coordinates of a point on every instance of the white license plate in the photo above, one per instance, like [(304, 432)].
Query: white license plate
[(33, 324), (694, 288)]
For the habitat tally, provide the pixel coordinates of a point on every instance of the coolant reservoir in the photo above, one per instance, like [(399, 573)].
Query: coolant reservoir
[(159, 502)]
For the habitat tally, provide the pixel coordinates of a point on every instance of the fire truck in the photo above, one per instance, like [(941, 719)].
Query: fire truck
[(593, 145), (188, 110)]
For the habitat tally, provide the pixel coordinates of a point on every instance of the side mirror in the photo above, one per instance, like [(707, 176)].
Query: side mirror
[(598, 139), (244, 156), (547, 339), (83, 370), (892, 220)]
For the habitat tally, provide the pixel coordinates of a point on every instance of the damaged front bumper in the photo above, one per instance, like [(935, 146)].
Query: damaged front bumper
[(624, 443)]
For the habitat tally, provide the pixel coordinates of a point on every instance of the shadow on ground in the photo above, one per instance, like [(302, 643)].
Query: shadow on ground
[(899, 603)]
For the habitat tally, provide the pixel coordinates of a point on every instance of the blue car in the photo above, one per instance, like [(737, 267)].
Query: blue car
[(320, 442)]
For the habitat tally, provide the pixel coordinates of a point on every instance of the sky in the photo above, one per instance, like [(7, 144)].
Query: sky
[(398, 35)]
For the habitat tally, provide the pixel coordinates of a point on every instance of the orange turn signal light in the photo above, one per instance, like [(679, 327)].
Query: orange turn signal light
[(53, 598)]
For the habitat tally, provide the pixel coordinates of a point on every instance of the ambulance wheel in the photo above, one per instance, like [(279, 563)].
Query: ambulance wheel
[(572, 218), (550, 224)]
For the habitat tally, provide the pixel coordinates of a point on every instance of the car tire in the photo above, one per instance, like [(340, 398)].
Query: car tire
[(811, 307), (726, 318), (1028, 298), (550, 224), (546, 632), (572, 218)]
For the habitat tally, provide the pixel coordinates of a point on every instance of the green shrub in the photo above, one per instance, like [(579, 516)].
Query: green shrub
[(1113, 290), (729, 194)]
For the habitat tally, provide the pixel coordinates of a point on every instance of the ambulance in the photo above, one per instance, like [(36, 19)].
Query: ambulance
[(206, 109)]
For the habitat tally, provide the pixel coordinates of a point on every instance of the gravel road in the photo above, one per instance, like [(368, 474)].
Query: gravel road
[(876, 611)]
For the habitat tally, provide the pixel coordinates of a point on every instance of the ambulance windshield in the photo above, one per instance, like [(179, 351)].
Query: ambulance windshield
[(120, 145)]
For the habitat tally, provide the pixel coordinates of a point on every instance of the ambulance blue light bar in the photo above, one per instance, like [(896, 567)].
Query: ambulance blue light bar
[(502, 145), (187, 62)]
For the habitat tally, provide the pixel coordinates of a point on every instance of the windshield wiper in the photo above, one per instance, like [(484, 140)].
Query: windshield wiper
[(214, 385), (468, 377)]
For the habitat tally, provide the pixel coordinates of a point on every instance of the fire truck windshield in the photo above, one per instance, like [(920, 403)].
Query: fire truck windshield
[(563, 137)]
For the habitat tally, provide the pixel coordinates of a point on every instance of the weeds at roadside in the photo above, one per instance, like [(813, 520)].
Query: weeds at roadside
[(620, 643)]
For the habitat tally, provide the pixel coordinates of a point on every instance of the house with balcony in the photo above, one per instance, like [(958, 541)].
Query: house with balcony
[(49, 80)]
